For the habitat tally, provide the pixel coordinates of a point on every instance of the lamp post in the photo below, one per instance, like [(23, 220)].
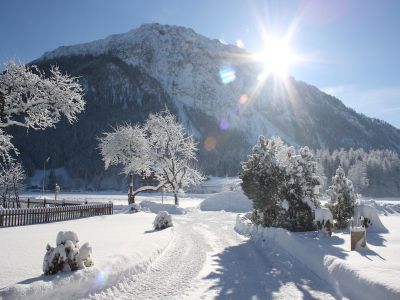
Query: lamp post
[(44, 174)]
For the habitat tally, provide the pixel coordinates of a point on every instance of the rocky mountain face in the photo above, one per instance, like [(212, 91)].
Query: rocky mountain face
[(213, 88)]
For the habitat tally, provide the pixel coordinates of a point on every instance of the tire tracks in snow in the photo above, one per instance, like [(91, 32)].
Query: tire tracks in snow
[(171, 273)]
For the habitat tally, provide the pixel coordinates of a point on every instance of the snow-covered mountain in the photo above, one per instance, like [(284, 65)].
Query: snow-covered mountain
[(212, 87)]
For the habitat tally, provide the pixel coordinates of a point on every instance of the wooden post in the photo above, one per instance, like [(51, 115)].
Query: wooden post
[(358, 238)]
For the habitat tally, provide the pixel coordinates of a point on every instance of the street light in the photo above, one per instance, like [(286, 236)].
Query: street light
[(44, 174)]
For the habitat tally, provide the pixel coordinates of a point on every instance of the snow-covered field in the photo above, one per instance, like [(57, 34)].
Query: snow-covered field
[(201, 257)]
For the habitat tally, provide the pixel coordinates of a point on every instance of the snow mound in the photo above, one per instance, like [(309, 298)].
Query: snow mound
[(227, 201), (163, 220), (322, 215), (134, 207), (384, 207), (370, 218), (67, 256), (157, 207)]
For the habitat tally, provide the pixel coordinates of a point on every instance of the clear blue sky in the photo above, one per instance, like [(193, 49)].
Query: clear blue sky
[(355, 45)]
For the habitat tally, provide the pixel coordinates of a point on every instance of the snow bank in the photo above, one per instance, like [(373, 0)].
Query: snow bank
[(322, 215), (370, 217), (134, 207), (227, 201), (124, 244), (331, 263), (157, 207), (384, 207)]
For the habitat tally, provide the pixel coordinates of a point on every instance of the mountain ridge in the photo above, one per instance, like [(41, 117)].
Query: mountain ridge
[(184, 71)]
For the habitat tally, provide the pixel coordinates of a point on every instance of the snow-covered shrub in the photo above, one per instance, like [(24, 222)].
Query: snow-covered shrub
[(368, 217), (134, 207), (163, 220), (324, 220), (67, 255), (343, 199), (281, 182)]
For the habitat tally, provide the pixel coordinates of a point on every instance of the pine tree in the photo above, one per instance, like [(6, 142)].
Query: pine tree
[(282, 183), (343, 199), (302, 181), (263, 179)]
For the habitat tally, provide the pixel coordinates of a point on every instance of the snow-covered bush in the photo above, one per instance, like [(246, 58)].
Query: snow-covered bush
[(134, 207), (324, 220), (343, 199), (281, 182), (368, 217), (67, 255), (163, 220)]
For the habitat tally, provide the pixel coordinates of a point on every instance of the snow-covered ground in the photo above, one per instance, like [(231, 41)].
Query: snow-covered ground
[(119, 198), (201, 257), (123, 245), (371, 273)]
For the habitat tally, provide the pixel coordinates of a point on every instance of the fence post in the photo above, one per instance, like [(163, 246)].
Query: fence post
[(29, 201)]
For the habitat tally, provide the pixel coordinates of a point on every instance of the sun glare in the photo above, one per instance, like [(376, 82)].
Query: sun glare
[(277, 57)]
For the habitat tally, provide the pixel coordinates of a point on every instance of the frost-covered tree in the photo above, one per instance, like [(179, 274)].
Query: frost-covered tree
[(301, 187), (358, 176), (343, 199), (12, 176), (160, 148), (263, 179), (282, 183), (32, 99)]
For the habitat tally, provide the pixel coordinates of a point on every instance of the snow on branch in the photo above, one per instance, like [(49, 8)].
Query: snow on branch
[(29, 98)]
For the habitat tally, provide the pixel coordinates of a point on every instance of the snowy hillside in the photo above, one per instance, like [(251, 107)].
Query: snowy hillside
[(212, 87)]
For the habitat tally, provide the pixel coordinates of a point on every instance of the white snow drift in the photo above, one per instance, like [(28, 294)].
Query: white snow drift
[(371, 217), (227, 201), (157, 207)]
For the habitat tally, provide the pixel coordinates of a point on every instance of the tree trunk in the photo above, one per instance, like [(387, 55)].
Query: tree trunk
[(176, 199), (131, 195)]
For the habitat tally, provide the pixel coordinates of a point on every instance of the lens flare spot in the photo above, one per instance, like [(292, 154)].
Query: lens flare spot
[(227, 74), (210, 143), (101, 278), (224, 124), (243, 99)]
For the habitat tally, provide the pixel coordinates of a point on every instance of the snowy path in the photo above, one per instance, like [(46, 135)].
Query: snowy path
[(208, 260)]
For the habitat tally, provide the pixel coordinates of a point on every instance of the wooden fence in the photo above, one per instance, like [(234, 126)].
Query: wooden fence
[(26, 216), (32, 202)]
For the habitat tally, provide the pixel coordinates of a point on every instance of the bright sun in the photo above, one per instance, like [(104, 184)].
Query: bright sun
[(277, 57)]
